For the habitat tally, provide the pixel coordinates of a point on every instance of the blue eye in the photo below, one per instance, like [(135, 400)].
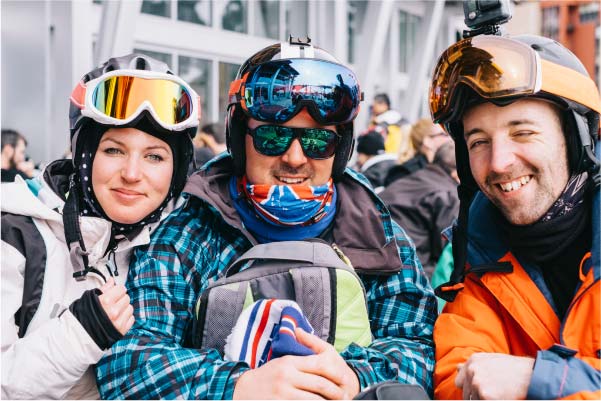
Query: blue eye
[(156, 157), (112, 151)]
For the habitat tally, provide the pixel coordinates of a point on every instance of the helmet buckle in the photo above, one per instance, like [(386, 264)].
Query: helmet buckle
[(299, 41)]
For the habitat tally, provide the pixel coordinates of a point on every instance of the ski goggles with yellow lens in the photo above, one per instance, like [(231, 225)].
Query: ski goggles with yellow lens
[(496, 68), (119, 97), (276, 91)]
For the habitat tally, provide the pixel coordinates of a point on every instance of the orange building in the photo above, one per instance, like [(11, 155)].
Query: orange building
[(575, 24)]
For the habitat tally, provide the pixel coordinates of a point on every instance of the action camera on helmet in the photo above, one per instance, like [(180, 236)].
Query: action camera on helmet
[(485, 16)]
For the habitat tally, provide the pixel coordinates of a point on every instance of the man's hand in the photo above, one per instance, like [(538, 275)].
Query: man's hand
[(487, 376), (330, 364), (321, 376), (115, 302)]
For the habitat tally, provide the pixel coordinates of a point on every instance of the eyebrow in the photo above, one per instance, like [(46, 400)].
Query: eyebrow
[(511, 123), (163, 147)]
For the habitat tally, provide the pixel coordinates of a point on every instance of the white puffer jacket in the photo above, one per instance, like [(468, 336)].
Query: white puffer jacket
[(53, 358)]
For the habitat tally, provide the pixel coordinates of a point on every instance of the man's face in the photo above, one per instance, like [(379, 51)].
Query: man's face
[(292, 167), (434, 139), (379, 108), (19, 155), (518, 156)]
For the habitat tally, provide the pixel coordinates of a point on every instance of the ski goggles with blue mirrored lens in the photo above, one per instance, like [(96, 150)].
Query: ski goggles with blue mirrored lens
[(119, 97), (277, 90)]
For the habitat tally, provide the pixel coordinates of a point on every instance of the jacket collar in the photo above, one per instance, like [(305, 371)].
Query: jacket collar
[(42, 198), (486, 242), (362, 226), (377, 159)]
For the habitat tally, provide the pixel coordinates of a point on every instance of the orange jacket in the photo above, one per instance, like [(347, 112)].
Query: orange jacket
[(507, 312)]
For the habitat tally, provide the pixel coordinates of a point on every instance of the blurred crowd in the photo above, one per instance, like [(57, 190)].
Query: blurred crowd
[(411, 165)]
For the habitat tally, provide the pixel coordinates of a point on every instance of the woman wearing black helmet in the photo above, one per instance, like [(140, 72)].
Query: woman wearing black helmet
[(67, 235)]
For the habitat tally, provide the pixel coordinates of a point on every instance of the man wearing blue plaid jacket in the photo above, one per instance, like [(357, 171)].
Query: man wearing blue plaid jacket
[(290, 135)]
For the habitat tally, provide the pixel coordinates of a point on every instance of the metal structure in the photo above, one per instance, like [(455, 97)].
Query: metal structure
[(48, 45)]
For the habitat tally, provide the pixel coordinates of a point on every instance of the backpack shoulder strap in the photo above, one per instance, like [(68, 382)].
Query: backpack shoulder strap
[(310, 252), (21, 233)]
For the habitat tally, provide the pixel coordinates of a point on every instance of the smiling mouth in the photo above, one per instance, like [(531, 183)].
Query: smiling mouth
[(291, 180), (515, 184), (127, 192)]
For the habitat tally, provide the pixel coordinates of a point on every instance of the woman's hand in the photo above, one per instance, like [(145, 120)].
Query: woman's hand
[(115, 302)]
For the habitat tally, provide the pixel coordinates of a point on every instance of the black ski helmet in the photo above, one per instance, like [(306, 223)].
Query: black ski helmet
[(236, 119)]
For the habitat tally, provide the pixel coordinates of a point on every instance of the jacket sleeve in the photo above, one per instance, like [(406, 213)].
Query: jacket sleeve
[(470, 324), (466, 325), (48, 361), (558, 374), (402, 311), (150, 361)]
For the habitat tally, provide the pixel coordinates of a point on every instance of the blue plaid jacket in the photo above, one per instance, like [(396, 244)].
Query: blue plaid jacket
[(195, 244)]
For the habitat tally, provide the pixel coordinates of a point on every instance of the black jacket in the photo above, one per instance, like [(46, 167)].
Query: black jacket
[(417, 162), (424, 203), (376, 169)]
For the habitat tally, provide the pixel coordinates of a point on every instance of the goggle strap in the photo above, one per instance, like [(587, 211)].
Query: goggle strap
[(235, 87), (78, 95), (198, 108)]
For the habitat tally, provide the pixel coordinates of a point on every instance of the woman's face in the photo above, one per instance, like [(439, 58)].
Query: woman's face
[(131, 174)]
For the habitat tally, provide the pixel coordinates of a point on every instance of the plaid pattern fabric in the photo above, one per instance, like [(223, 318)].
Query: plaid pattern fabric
[(192, 248)]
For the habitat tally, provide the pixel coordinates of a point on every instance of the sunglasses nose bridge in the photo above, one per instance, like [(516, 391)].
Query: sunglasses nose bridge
[(295, 154)]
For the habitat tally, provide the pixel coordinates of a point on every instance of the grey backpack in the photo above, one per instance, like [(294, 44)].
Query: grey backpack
[(312, 273)]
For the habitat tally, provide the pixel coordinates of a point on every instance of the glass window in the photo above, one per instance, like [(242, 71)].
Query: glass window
[(296, 15), (589, 12), (408, 26), (233, 15), (197, 73), (356, 12), (551, 22), (196, 11), (267, 18), (227, 73), (164, 57), (162, 8)]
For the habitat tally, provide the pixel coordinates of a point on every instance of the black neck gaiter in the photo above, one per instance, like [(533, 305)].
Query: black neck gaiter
[(558, 241)]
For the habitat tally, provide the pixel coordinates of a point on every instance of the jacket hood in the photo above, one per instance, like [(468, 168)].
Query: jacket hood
[(389, 117), (43, 198), (361, 229)]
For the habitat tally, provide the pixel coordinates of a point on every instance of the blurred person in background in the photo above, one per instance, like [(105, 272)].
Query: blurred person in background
[(425, 203), (14, 160), (67, 234), (213, 136), (426, 137), (389, 123), (372, 161), (209, 142)]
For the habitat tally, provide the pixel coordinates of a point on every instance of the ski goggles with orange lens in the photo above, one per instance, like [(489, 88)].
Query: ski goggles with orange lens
[(119, 97), (497, 67), (276, 91)]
